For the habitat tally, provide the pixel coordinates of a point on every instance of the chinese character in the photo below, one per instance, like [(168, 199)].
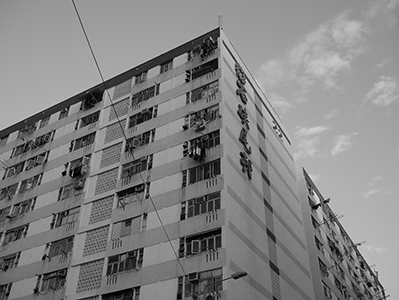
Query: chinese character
[(242, 113), (246, 164), (241, 92), (244, 140)]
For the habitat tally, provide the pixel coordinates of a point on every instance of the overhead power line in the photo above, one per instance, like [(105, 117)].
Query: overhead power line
[(123, 131)]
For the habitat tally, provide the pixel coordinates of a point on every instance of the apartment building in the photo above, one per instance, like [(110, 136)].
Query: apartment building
[(339, 271), (160, 184)]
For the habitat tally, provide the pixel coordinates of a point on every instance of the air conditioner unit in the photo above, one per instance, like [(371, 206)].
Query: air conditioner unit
[(29, 185), (193, 277), (12, 171), (200, 125), (30, 164), (145, 111), (136, 142), (40, 160), (78, 185)]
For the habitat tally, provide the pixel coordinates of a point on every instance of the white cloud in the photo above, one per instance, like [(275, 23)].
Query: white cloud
[(280, 102), (321, 56), (383, 63), (370, 193), (375, 180), (382, 10), (384, 92), (271, 73), (314, 177), (342, 143), (331, 114), (308, 141), (376, 249), (306, 132)]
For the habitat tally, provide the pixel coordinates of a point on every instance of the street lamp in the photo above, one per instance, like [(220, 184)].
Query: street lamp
[(234, 276)]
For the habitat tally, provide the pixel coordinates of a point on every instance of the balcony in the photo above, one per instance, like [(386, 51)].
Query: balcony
[(131, 181), (56, 262)]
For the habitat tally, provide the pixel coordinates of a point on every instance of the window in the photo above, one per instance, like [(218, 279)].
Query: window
[(145, 94), (84, 141), (136, 166), (199, 283), (204, 69), (140, 140), (79, 167), (314, 222), (131, 195), (198, 243), (27, 130), (70, 190), (16, 169), (67, 216), (15, 234), (143, 116), (323, 268), (44, 122), (41, 140), (205, 91), (327, 291), (3, 140), (54, 280), (30, 183), (204, 171), (130, 226), (166, 66), (200, 205), (20, 149), (130, 294), (90, 119), (202, 117), (63, 113), (341, 273), (8, 191), (32, 144), (319, 245), (141, 77), (23, 207), (91, 101), (5, 290), (206, 141), (338, 284), (125, 262), (4, 213), (36, 161), (61, 247), (9, 262)]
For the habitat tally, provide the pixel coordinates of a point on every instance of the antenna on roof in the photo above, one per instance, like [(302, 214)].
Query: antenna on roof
[(220, 21)]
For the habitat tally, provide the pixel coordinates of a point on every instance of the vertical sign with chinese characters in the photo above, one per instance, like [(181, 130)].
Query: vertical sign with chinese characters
[(245, 160)]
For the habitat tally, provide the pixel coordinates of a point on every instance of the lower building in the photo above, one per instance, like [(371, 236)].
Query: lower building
[(339, 271)]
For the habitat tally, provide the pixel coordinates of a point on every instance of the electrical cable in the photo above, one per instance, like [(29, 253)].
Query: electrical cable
[(123, 132)]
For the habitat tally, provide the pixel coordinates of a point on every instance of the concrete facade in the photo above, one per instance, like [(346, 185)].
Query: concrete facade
[(187, 138), (339, 271)]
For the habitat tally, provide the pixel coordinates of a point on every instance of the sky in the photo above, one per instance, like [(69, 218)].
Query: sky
[(330, 69)]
